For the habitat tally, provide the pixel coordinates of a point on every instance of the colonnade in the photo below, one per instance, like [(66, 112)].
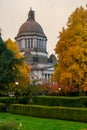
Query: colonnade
[(47, 76)]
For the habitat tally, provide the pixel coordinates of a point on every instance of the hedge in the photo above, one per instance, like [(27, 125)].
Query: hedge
[(13, 100), (2, 106), (80, 101), (57, 112)]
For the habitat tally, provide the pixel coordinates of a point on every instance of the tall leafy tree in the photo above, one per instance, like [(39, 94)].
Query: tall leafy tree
[(71, 50), (23, 76), (8, 65)]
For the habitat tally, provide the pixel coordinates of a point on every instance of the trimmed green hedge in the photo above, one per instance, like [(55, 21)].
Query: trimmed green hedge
[(80, 101), (57, 112), (2, 105), (13, 100), (7, 100)]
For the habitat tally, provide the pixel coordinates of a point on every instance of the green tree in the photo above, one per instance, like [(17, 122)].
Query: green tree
[(22, 76), (71, 50), (8, 63)]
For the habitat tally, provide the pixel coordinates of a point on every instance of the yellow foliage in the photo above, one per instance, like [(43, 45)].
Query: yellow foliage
[(71, 50), (84, 86), (13, 46), (23, 75)]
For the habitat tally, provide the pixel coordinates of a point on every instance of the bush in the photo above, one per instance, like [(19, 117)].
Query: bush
[(2, 105), (61, 101), (58, 112), (23, 100), (7, 100), (13, 100)]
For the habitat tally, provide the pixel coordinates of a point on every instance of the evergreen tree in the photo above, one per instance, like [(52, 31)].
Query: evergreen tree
[(8, 66)]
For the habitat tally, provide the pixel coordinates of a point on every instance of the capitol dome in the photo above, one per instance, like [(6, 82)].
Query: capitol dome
[(31, 27), (32, 43)]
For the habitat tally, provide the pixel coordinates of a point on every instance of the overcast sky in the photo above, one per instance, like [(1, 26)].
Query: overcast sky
[(52, 15)]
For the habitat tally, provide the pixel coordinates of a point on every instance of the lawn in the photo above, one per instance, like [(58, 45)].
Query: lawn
[(33, 123)]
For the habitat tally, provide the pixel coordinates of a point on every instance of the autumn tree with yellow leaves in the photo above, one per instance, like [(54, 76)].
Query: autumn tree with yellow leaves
[(71, 50), (23, 70)]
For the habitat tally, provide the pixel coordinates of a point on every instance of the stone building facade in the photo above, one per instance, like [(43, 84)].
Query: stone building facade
[(32, 43)]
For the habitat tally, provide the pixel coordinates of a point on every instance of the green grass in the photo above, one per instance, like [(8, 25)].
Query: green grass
[(33, 123)]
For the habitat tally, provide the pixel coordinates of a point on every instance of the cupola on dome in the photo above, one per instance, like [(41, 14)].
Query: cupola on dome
[(31, 27)]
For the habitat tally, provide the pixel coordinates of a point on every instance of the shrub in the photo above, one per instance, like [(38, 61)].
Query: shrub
[(13, 100), (2, 107), (32, 90), (7, 100), (58, 112), (60, 90), (61, 101)]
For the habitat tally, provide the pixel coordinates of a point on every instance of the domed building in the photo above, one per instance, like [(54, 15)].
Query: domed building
[(32, 42)]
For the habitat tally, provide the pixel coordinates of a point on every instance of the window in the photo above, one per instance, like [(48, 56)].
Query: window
[(31, 42), (25, 43), (35, 59), (28, 42), (37, 43)]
